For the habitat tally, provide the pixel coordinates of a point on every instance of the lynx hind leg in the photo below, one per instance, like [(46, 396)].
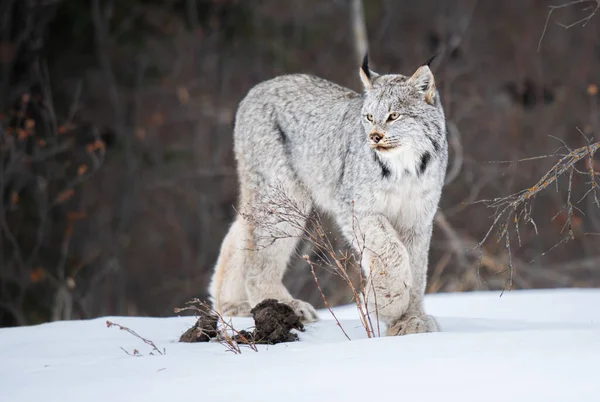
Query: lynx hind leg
[(277, 211), (228, 283)]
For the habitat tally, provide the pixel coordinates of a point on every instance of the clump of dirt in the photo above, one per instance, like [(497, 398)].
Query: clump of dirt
[(203, 330), (273, 322)]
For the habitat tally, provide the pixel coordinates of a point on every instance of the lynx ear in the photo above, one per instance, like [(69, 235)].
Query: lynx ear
[(430, 60), (366, 75), (423, 80)]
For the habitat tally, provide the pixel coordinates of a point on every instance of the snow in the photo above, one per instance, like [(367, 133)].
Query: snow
[(524, 346)]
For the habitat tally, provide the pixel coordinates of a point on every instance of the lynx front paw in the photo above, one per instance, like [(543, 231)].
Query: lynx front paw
[(236, 309), (304, 310), (413, 325)]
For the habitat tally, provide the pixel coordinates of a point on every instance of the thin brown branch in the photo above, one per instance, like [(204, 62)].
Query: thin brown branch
[(110, 324), (516, 209), (312, 270), (583, 21)]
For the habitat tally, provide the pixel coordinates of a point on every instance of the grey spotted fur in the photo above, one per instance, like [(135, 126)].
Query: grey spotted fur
[(317, 140)]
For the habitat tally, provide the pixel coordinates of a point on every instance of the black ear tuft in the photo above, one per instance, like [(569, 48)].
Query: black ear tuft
[(430, 60), (365, 66)]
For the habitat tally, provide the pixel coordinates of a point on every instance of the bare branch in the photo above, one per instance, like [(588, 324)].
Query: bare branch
[(583, 21), (516, 209)]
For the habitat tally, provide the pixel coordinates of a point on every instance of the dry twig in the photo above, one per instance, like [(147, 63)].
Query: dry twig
[(312, 270), (110, 324), (583, 21), (514, 210), (224, 338)]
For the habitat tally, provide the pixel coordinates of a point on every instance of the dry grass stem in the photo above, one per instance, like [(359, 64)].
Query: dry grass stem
[(110, 324)]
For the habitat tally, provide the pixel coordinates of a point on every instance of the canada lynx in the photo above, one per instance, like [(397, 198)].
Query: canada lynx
[(378, 158)]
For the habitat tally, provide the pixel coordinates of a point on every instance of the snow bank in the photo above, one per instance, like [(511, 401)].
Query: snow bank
[(525, 346)]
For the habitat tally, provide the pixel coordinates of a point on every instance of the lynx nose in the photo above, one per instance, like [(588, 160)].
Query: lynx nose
[(375, 137)]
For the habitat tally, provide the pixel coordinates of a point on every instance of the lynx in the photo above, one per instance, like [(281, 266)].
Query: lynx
[(377, 158)]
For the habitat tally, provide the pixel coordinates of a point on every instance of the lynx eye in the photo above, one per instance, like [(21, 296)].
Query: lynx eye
[(369, 117), (393, 116)]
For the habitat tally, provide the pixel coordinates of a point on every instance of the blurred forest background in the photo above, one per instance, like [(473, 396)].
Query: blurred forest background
[(117, 174)]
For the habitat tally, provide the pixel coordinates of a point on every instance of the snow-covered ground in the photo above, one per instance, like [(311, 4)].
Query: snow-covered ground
[(525, 346)]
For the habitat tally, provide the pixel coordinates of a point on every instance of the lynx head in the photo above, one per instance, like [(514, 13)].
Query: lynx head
[(403, 117)]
